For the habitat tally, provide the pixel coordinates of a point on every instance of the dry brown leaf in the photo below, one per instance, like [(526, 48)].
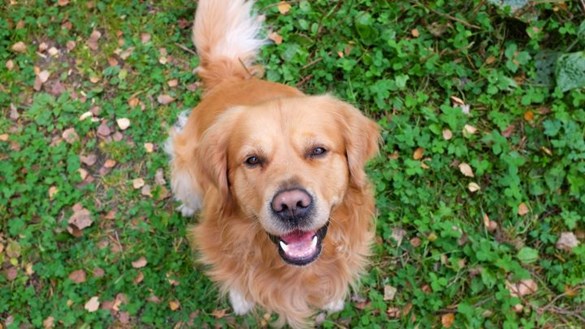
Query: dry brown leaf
[(52, 192), (490, 60), (447, 134), (284, 7), (447, 320), (93, 304), (123, 123), (145, 37), (415, 33), (165, 99), (529, 116), (567, 241), (457, 101), (173, 83), (82, 173), (4, 137), (62, 3), (149, 147), (218, 314), (88, 160), (522, 288), (393, 312), (103, 129), (139, 278), (49, 323), (415, 242), (159, 177), (389, 292), (137, 183), (44, 76), (522, 209), (92, 42), (146, 191), (78, 276), (19, 47), (70, 135), (110, 163), (466, 170), (418, 153), (175, 305), (140, 262), (85, 115), (70, 45), (133, 102), (81, 217), (473, 187), (469, 130), (277, 38), (10, 65)]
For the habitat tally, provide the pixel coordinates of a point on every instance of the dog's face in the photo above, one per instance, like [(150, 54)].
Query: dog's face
[(287, 164)]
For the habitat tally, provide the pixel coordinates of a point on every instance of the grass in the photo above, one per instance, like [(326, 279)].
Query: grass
[(480, 182)]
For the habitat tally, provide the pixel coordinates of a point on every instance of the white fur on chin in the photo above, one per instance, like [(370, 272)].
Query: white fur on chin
[(239, 303)]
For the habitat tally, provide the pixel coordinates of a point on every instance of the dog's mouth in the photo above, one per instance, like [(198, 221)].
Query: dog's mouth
[(300, 247)]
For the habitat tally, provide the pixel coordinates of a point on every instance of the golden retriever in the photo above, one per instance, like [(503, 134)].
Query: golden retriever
[(286, 210)]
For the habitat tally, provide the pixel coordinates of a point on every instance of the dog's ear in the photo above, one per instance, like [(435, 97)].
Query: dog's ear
[(361, 136), (210, 158)]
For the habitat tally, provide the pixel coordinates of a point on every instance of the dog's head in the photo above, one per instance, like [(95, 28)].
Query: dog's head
[(287, 163)]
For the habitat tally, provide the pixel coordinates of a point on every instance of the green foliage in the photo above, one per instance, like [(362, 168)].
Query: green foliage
[(476, 83)]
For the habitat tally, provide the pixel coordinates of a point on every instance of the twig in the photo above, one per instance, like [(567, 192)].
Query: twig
[(453, 18), (186, 49)]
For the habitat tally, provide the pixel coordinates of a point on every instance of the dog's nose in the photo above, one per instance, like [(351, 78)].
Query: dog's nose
[(292, 205)]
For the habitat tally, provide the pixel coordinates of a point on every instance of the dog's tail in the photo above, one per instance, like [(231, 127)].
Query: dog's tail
[(225, 34)]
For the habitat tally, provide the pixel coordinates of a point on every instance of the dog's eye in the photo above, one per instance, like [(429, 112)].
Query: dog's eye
[(317, 151), (252, 161)]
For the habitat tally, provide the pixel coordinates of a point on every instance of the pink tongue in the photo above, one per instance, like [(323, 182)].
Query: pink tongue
[(298, 237)]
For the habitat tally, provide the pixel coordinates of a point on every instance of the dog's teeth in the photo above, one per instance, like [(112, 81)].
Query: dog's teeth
[(283, 246), (314, 242)]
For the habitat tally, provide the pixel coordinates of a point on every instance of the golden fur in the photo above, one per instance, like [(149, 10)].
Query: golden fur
[(241, 116)]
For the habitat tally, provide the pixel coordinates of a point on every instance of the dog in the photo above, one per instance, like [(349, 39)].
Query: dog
[(286, 211)]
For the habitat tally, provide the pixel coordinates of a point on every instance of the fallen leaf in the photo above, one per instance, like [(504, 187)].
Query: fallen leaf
[(529, 116), (93, 304), (81, 217), (393, 312), (137, 183), (149, 147), (567, 241), (109, 163), (123, 123), (277, 38), (457, 101), (146, 191), (82, 173), (447, 320), (159, 178), (103, 130), (49, 323), (98, 272), (473, 187), (415, 33), (11, 273), (218, 314), (165, 99), (70, 45), (78, 276), (490, 60), (469, 130), (284, 7), (62, 3), (19, 47), (133, 102), (88, 160), (144, 37), (415, 242), (418, 153), (85, 115), (44, 76), (447, 134), (175, 305), (522, 288), (140, 262), (10, 65), (4, 137), (139, 278), (52, 192), (522, 209), (92, 42), (466, 170), (173, 83), (70, 136), (389, 292)]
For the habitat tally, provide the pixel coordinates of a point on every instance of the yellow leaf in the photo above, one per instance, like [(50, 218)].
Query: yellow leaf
[(522, 209), (418, 153), (447, 320), (283, 7)]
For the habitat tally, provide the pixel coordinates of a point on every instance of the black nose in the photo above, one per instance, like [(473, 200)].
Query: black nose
[(292, 205)]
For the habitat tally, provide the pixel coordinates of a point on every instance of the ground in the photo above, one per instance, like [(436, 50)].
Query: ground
[(480, 182)]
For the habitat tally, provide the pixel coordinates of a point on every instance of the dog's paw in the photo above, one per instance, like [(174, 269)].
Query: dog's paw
[(334, 306), (186, 211), (239, 303)]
